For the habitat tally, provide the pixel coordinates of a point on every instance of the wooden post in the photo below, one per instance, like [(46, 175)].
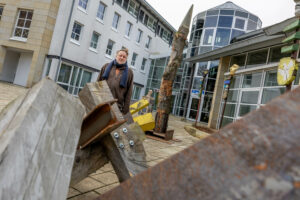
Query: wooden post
[(165, 92)]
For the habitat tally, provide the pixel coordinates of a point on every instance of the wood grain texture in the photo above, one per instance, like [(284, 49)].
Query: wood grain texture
[(133, 156), (38, 136)]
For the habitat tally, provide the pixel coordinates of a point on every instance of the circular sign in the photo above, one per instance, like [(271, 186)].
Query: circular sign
[(286, 71)]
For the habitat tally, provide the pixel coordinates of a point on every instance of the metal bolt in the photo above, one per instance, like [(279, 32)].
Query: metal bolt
[(116, 135), (124, 130), (121, 145), (131, 142)]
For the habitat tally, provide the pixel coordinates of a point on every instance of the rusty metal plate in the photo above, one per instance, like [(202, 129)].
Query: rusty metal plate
[(99, 122), (258, 157)]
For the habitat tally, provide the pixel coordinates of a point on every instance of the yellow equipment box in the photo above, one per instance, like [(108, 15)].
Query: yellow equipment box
[(145, 121), (139, 105)]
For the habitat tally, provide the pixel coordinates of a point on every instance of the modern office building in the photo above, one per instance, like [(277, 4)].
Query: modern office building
[(211, 29), (255, 83), (78, 37)]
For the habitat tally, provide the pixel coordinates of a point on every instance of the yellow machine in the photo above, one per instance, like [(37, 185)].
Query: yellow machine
[(139, 105), (145, 121)]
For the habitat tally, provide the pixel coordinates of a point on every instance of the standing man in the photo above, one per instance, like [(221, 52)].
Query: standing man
[(119, 79)]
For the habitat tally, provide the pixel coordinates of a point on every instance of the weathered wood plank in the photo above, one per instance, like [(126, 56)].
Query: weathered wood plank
[(133, 156), (38, 136)]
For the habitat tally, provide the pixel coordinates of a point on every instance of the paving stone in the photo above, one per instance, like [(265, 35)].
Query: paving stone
[(88, 184), (106, 188), (107, 178), (86, 196), (73, 192), (107, 167)]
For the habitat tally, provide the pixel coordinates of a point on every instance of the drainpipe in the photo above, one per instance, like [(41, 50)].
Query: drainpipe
[(64, 41)]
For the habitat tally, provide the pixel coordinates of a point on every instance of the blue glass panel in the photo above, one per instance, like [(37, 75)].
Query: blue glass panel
[(253, 17), (241, 14), (211, 21), (226, 12), (222, 37), (212, 12), (225, 21), (208, 36), (239, 23), (251, 25), (236, 33)]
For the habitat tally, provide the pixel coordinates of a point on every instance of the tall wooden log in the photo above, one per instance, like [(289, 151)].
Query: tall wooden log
[(165, 92), (39, 132)]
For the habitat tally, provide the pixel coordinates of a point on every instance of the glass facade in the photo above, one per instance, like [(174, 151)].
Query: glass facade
[(213, 29)]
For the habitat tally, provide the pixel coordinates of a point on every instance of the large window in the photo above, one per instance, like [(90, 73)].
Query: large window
[(208, 36), (236, 33), (83, 4), (94, 40), (133, 8), (239, 23), (76, 31), (276, 55), (22, 26), (133, 60), (225, 21), (73, 78), (116, 20), (211, 21), (109, 48), (238, 60), (252, 80), (101, 11), (257, 57), (128, 29), (222, 37), (139, 36)]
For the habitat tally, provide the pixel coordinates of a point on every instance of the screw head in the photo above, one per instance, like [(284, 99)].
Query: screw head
[(124, 130), (131, 142), (116, 135), (121, 145)]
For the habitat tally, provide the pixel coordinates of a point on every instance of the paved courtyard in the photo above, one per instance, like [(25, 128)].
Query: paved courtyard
[(105, 178)]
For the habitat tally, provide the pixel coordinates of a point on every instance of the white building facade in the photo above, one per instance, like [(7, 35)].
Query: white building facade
[(88, 33)]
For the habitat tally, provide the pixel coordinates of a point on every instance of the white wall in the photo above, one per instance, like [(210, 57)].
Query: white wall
[(80, 52), (10, 66), (23, 69)]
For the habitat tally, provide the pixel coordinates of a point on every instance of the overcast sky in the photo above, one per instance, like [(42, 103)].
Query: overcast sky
[(269, 11)]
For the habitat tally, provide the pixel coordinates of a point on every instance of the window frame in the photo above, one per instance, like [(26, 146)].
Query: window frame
[(147, 44), (82, 3), (109, 51), (68, 85), (92, 43), (80, 35), (143, 65), (115, 24), (128, 30), (133, 59), (102, 14), (22, 27)]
